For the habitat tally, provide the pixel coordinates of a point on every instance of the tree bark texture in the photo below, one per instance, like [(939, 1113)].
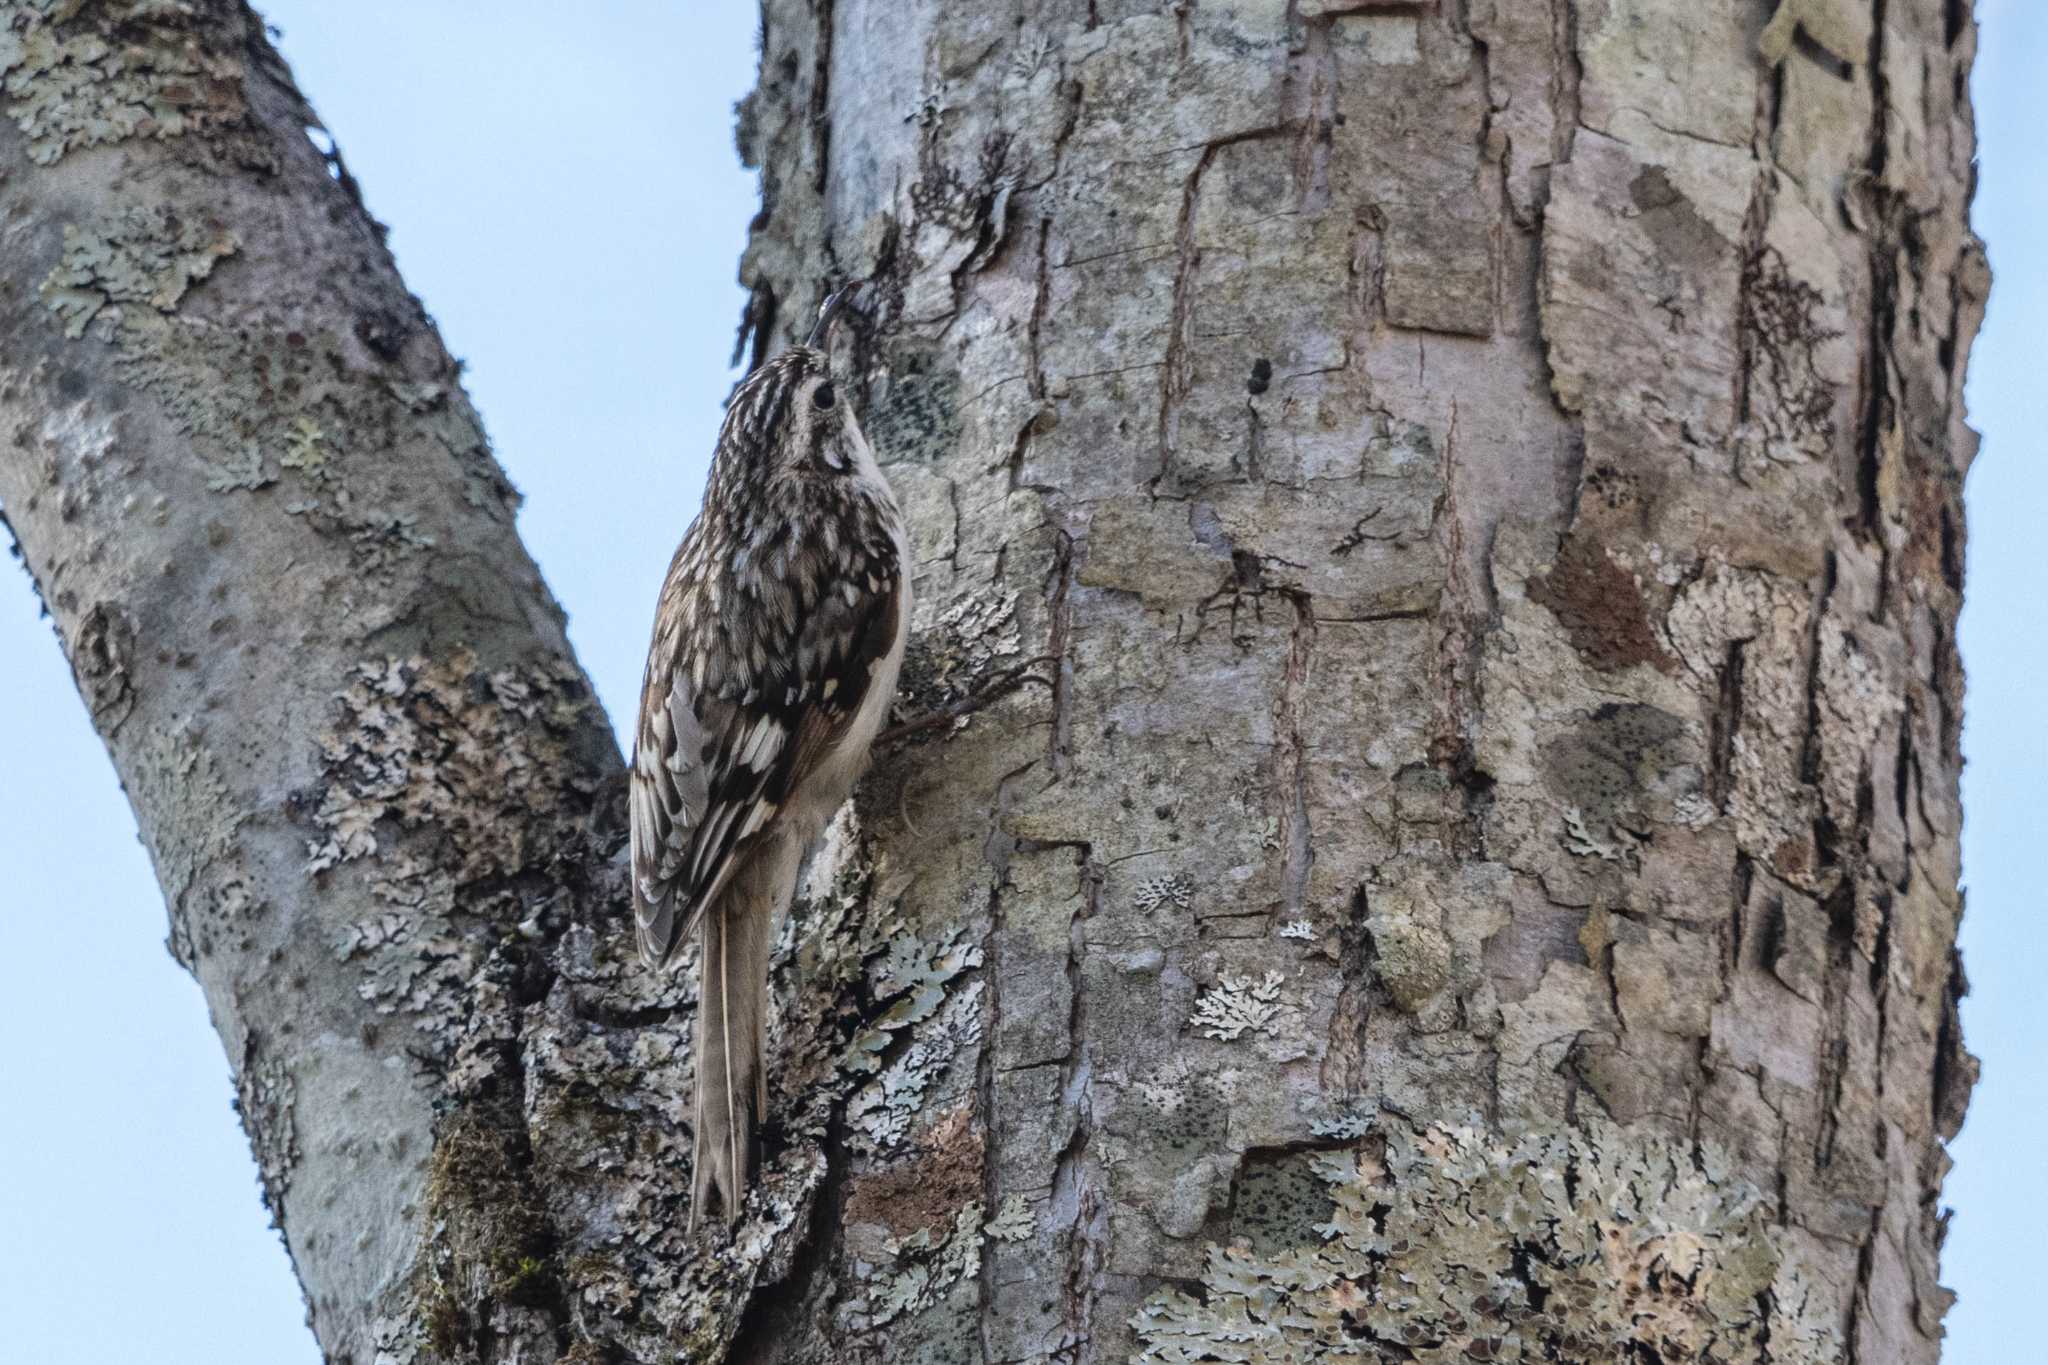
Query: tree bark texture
[(1469, 872)]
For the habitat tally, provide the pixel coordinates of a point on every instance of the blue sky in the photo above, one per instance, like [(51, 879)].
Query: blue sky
[(565, 198)]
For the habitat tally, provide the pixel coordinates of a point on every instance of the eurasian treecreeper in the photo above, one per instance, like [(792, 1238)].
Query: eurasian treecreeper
[(777, 640)]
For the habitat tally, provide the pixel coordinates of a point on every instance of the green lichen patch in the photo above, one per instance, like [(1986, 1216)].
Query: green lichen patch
[(147, 258), (306, 448), (1454, 1245), (916, 1272), (940, 1021), (77, 74)]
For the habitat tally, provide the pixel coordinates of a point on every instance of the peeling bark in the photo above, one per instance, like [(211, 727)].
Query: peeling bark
[(1481, 481)]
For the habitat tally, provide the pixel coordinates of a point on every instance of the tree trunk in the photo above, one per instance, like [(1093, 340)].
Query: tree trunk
[(1470, 873)]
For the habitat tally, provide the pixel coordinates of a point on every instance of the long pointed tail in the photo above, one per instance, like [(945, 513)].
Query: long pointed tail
[(732, 1015)]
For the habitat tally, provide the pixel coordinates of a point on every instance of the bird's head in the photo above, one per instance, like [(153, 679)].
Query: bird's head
[(790, 416)]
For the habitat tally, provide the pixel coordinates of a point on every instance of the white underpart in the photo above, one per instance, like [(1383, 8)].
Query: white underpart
[(828, 787)]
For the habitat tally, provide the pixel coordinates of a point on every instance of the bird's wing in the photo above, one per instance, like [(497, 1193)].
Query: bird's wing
[(712, 771)]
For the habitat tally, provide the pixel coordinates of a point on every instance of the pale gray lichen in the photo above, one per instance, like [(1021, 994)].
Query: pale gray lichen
[(80, 75), (917, 1274), (418, 397), (382, 543), (1457, 1244), (433, 777), (1580, 839), (409, 962), (367, 936), (1171, 890), (1237, 1005), (1694, 810), (238, 473), (843, 940), (447, 745), (942, 1022), (917, 973), (399, 1340), (1299, 929), (147, 258), (985, 627), (1342, 1128), (1013, 1221)]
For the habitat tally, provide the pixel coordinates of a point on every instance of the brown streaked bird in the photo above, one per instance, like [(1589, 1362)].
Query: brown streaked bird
[(777, 640)]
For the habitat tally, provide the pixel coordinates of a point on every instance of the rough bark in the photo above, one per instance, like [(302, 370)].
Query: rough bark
[(1478, 879), (270, 535)]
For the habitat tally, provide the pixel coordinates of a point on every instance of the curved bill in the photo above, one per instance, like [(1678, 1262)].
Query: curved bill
[(828, 313)]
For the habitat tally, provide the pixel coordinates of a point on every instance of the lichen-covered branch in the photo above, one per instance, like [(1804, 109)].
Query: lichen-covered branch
[(1480, 482), (271, 538)]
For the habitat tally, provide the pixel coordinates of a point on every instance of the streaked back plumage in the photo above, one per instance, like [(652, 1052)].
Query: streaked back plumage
[(777, 639)]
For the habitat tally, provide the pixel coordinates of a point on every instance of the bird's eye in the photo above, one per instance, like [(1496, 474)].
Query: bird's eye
[(821, 397)]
